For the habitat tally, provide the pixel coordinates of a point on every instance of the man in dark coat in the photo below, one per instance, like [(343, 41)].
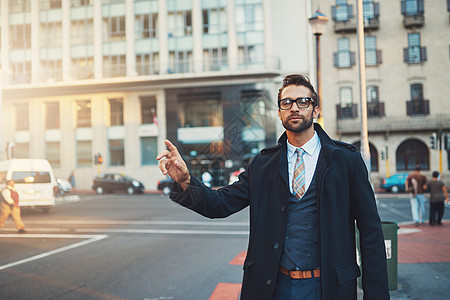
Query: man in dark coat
[(301, 246)]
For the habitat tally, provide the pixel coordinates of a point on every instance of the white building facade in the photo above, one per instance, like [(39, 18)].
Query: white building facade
[(117, 77)]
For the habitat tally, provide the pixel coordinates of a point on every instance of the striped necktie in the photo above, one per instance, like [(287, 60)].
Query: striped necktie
[(298, 182)]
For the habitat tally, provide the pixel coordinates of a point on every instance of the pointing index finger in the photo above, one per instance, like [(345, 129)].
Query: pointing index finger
[(171, 147)]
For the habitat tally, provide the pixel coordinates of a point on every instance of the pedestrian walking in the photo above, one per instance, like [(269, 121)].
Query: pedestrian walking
[(10, 206), (416, 183), (438, 194), (72, 179), (305, 195)]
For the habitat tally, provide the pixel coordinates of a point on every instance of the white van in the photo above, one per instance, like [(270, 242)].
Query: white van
[(34, 181)]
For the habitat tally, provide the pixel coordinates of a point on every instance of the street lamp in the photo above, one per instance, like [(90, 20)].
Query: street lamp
[(318, 23)]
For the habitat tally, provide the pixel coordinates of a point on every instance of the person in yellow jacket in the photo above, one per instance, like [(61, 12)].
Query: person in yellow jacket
[(10, 206)]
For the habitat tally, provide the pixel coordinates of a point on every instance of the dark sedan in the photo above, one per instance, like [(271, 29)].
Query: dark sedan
[(107, 183)]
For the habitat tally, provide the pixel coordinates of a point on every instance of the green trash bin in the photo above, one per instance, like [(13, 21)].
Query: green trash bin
[(391, 244)]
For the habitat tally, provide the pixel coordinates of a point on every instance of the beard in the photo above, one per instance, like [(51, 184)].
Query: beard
[(298, 125)]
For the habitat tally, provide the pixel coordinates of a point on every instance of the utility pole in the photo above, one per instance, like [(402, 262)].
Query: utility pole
[(365, 150)]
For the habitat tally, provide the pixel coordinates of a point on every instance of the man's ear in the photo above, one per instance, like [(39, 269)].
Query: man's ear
[(279, 114), (316, 112)]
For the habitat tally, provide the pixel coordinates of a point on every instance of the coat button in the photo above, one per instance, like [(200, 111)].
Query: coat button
[(283, 208), (269, 282), (275, 246)]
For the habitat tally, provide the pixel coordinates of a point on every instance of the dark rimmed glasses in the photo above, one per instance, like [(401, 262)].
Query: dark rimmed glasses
[(302, 102)]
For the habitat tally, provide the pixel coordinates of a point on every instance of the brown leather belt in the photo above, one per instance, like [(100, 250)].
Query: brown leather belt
[(300, 274)]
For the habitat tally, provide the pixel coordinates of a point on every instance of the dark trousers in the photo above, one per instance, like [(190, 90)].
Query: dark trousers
[(296, 289), (436, 213)]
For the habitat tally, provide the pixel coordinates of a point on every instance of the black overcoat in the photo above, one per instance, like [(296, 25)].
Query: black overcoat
[(344, 195)]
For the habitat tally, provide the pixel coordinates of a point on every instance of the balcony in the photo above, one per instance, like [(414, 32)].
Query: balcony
[(395, 124), (349, 111), (345, 21), (375, 109), (419, 107), (414, 55), (413, 14)]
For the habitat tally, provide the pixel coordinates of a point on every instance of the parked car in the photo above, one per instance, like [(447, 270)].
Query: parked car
[(63, 186), (165, 185), (106, 183), (395, 183)]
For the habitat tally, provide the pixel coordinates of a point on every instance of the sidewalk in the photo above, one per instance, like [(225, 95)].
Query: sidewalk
[(419, 247)]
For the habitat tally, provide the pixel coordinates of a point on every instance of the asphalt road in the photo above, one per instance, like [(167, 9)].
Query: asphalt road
[(146, 247)]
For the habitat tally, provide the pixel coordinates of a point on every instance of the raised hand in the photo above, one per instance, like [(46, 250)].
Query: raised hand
[(171, 163)]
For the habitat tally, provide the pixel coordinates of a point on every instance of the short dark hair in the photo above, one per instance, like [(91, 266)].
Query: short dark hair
[(417, 168), (435, 174), (299, 80)]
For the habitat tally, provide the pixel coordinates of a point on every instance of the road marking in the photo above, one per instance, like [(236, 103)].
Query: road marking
[(90, 239), (239, 260), (143, 231), (124, 222), (393, 210), (226, 291)]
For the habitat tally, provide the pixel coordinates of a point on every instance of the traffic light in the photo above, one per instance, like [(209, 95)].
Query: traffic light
[(382, 155), (447, 141), (99, 159), (433, 141)]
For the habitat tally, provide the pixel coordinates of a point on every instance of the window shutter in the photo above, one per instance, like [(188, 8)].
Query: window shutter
[(338, 111), (350, 11), (403, 5), (377, 9), (336, 59), (448, 5), (352, 58), (405, 55), (409, 108), (426, 107), (379, 57), (420, 8), (333, 13), (423, 53)]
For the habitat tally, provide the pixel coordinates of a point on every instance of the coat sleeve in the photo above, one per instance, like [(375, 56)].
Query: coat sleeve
[(212, 203), (373, 253)]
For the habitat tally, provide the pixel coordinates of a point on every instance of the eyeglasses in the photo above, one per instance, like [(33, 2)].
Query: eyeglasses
[(302, 102)]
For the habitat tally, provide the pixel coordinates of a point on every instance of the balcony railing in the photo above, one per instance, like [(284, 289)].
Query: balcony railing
[(395, 124), (418, 107), (415, 55), (413, 17), (345, 21), (348, 111), (375, 109)]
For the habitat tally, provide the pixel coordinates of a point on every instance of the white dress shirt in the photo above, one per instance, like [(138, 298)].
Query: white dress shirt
[(310, 157)]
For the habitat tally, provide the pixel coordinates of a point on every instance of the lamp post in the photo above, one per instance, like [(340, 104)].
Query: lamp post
[(318, 23)]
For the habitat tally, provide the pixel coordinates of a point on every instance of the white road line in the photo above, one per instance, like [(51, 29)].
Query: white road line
[(132, 230), (90, 239), (122, 222)]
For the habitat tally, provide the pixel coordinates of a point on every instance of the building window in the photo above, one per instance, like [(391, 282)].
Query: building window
[(20, 36), (114, 28), (114, 65), (84, 154), (116, 112), (82, 48), (414, 54), (78, 3), (149, 150), (201, 113), (369, 10), (148, 110), (146, 26), (179, 22), (50, 34), (52, 115), (83, 108), (52, 69), (417, 105), (372, 55), (411, 154), (19, 6), (180, 61), (346, 108), (49, 4), (249, 18), (373, 156), (412, 7), (215, 59), (344, 58), (342, 12), (147, 64), (22, 117), (22, 150), (116, 153), (52, 154), (375, 108), (214, 18)]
